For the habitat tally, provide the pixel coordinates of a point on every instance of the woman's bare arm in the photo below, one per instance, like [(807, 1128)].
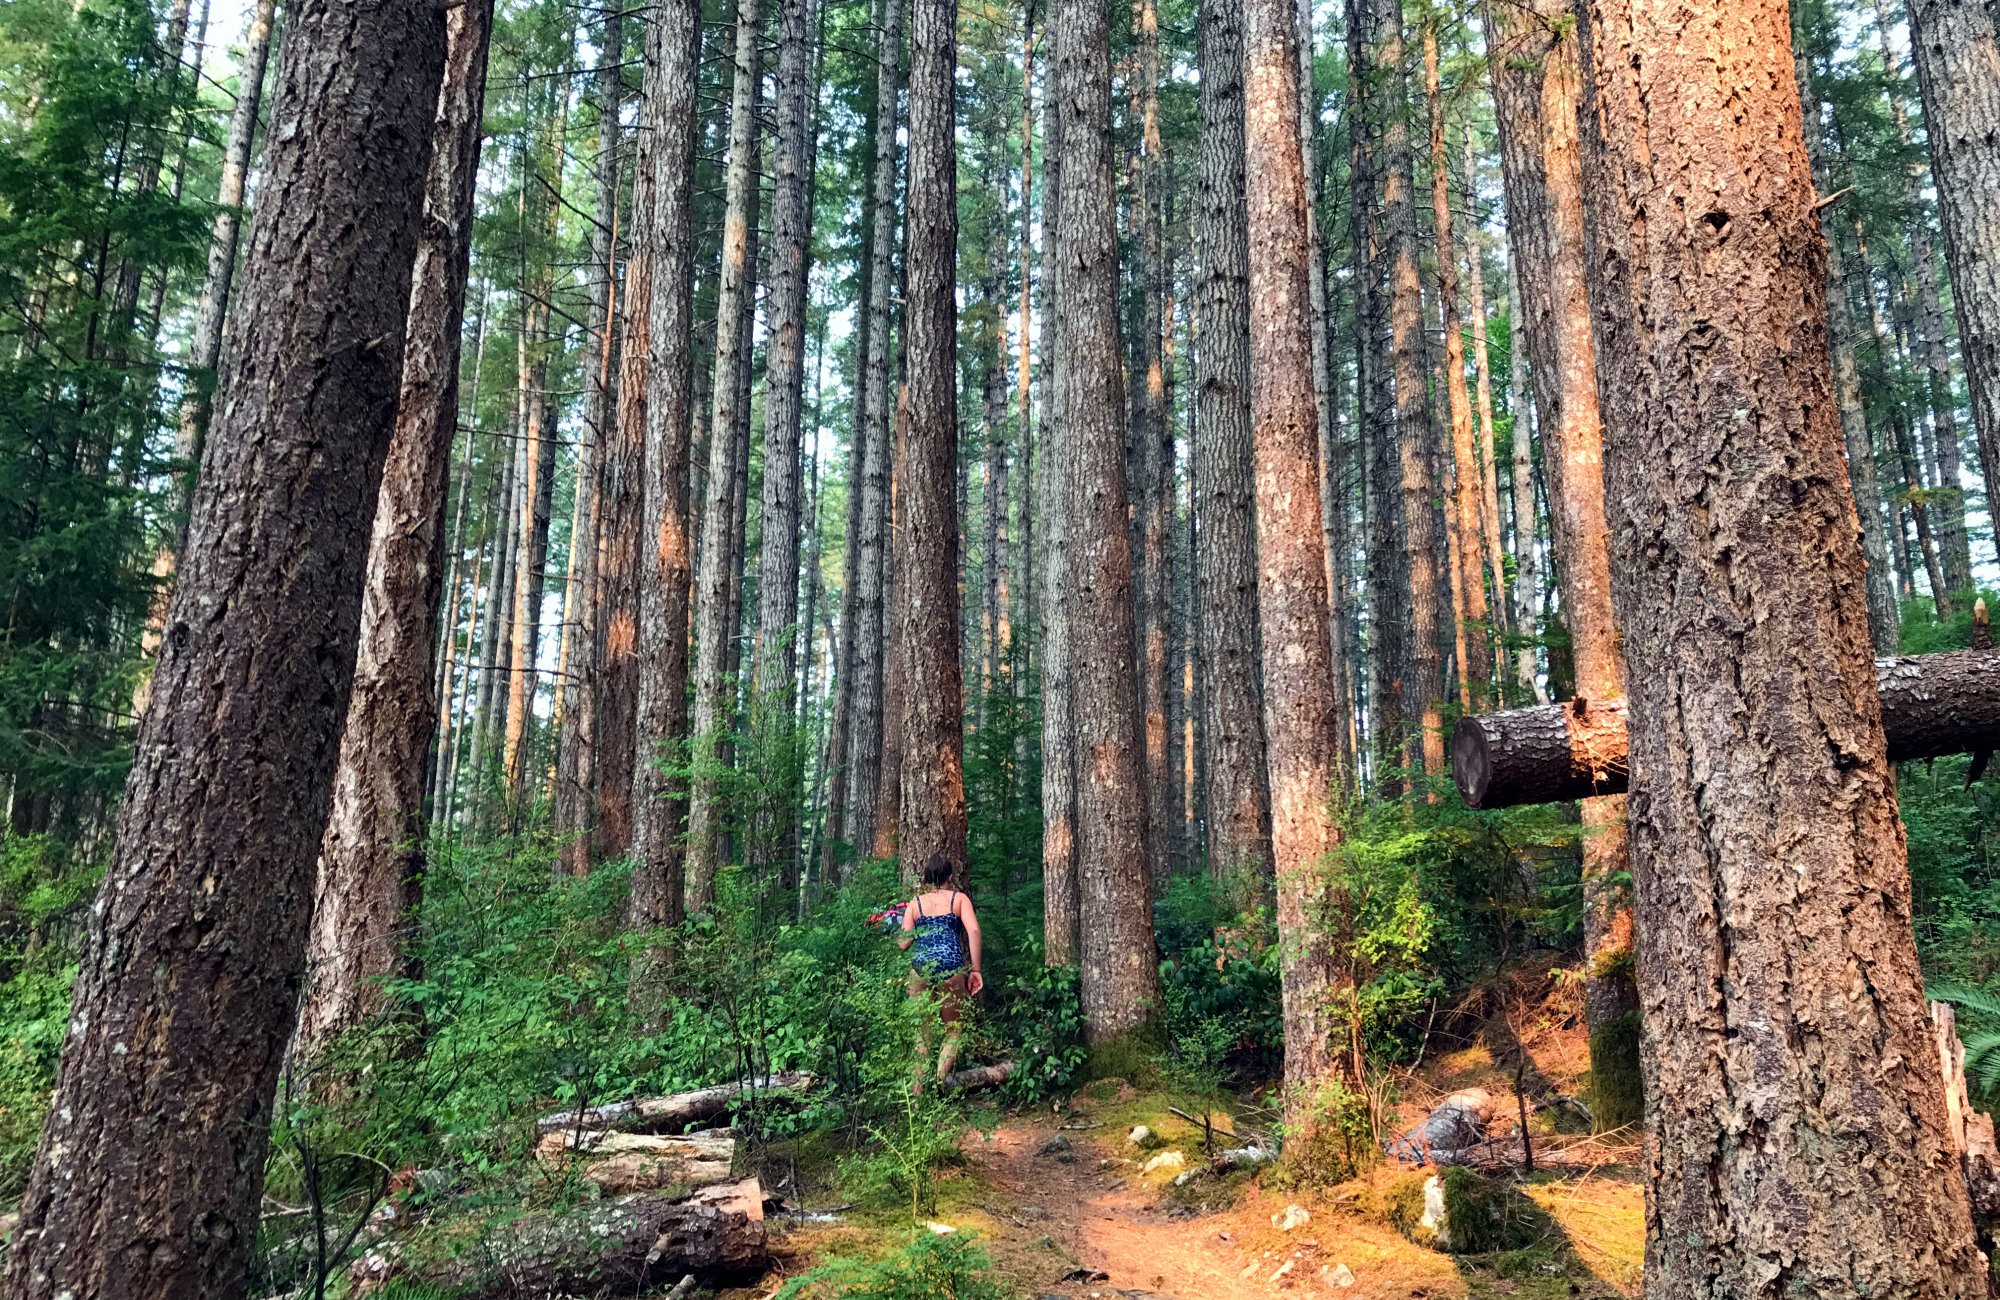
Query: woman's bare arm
[(909, 935), (970, 916)]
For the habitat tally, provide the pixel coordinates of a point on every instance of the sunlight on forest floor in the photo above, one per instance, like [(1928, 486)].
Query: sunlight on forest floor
[(1084, 1219)]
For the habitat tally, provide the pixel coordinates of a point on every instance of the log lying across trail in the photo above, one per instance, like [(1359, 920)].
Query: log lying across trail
[(1931, 705), (612, 1248), (666, 1114)]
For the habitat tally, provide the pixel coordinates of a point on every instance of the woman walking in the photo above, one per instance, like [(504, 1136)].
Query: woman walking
[(943, 928)]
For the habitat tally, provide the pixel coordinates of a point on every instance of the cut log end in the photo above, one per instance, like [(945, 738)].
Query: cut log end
[(1471, 763)]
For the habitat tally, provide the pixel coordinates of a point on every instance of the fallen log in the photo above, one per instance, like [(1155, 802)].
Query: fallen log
[(979, 1076), (638, 1162), (1931, 705), (666, 1114), (617, 1247)]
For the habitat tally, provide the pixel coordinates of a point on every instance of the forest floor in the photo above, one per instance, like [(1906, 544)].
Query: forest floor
[(1059, 1200)]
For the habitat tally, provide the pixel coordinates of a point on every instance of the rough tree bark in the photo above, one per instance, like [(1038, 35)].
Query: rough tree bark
[(774, 667), (1120, 978), (1535, 91), (1799, 1135), (1060, 940), (1238, 808), (1956, 44), (1476, 670), (150, 1170), (666, 409), (1422, 691), (1152, 447), (1489, 481), (931, 692), (865, 719), (371, 860), (576, 679), (1291, 575), (714, 624)]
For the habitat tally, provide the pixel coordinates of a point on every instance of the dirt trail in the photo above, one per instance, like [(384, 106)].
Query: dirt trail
[(1060, 1219)]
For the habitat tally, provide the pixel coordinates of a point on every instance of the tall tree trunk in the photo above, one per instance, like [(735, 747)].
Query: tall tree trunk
[(577, 684), (1955, 552), (1535, 93), (1313, 929), (1120, 978), (502, 519), (1238, 808), (1485, 393), (774, 670), (1956, 46), (1061, 941), (660, 461), (1883, 616), (211, 874), (995, 619), (1382, 508), (1477, 667), (371, 858), (932, 694), (1527, 583), (1152, 445), (864, 744), (1795, 1094), (1024, 538), (714, 694), (1423, 690)]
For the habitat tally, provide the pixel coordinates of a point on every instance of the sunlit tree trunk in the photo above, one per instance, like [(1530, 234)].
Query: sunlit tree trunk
[(1060, 902), (1120, 976), (1291, 577)]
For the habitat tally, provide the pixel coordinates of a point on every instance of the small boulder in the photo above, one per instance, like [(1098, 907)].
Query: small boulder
[(1455, 1126), (1294, 1216), (1339, 1276), (1144, 1138), (1168, 1161), (1057, 1147)]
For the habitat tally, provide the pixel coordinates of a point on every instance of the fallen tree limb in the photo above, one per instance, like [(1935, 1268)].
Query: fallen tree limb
[(979, 1076), (666, 1114), (639, 1162), (1931, 705), (612, 1248)]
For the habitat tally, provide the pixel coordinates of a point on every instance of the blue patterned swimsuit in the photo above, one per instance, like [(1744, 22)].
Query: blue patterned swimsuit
[(940, 948)]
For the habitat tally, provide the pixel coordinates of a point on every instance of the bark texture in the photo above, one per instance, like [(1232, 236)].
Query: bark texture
[(1799, 1133), (1060, 940), (1956, 44), (666, 409), (371, 861), (715, 622), (151, 1166), (1237, 812), (1120, 977), (1536, 90), (1291, 569), (931, 691)]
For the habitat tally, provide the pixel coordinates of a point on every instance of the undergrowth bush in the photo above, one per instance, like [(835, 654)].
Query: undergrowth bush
[(931, 1267)]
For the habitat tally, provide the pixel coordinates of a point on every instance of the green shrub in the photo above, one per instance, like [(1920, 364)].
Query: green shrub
[(932, 1266), (1481, 1215)]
